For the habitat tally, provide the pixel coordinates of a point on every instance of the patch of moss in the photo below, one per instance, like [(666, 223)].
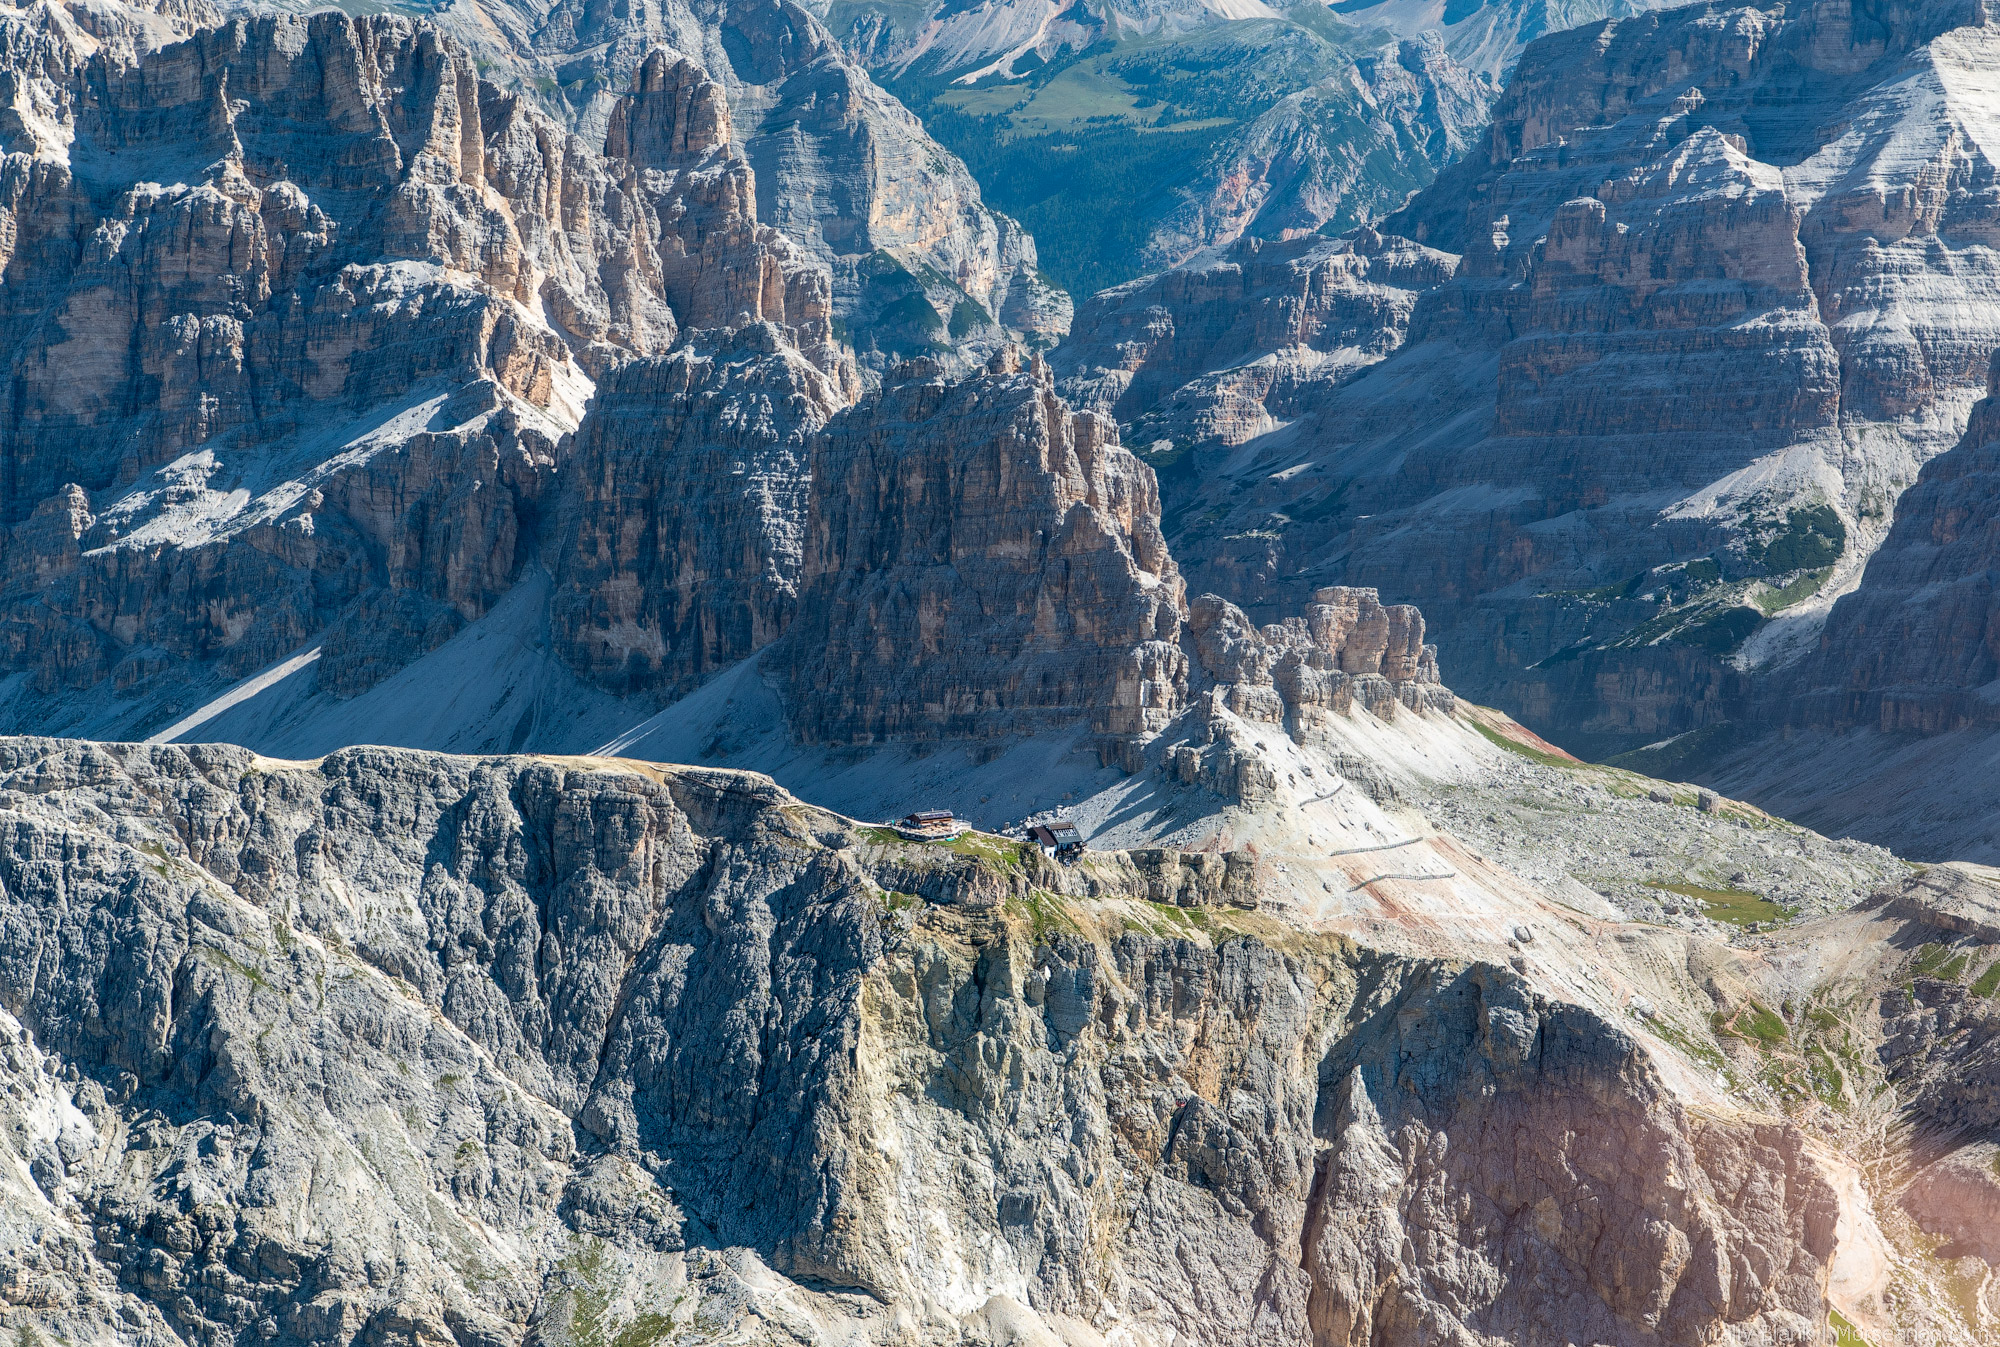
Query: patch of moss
[(1681, 756), (589, 1291), (1828, 1081), (1989, 981), (916, 311)]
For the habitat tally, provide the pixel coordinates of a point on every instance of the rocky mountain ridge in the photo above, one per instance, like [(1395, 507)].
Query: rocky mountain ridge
[(560, 953), (642, 454), (1700, 336)]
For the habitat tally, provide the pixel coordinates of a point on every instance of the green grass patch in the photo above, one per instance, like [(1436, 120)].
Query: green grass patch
[(1845, 1334), (1690, 1045), (1722, 633), (986, 847), (1500, 740), (1989, 981), (894, 900), (1813, 537), (967, 317), (1046, 913), (645, 1330), (589, 1288), (1941, 962), (1803, 587), (1829, 1082), (234, 965), (1756, 1022), (1738, 907)]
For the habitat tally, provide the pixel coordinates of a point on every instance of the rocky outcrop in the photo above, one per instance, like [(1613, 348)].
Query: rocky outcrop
[(981, 561), (406, 1048), (843, 169), (1204, 354), (1488, 38), (1347, 649)]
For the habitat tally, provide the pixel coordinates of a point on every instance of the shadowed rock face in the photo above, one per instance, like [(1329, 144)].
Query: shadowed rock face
[(403, 1048), (1913, 648), (1203, 352), (1722, 291)]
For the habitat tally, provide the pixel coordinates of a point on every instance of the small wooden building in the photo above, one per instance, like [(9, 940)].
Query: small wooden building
[(1059, 838), (929, 820)]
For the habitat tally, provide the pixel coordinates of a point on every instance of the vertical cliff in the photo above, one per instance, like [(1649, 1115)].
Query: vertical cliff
[(407, 1049), (980, 561)]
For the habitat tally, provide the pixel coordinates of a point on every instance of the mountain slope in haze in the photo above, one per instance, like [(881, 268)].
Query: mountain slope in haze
[(1486, 38), (1703, 332), (1128, 137)]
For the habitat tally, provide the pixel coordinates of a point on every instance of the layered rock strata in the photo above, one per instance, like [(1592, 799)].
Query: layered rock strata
[(844, 170), (1916, 647), (415, 1049), (1336, 154), (1018, 583), (981, 561), (1720, 297), (1206, 353), (317, 395)]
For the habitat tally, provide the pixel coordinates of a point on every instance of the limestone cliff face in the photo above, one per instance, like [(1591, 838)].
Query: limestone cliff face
[(680, 535), (1887, 727), (397, 1048), (1724, 288), (979, 561), (1337, 154), (1912, 649), (316, 385), (843, 169), (1208, 353), (1297, 676)]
